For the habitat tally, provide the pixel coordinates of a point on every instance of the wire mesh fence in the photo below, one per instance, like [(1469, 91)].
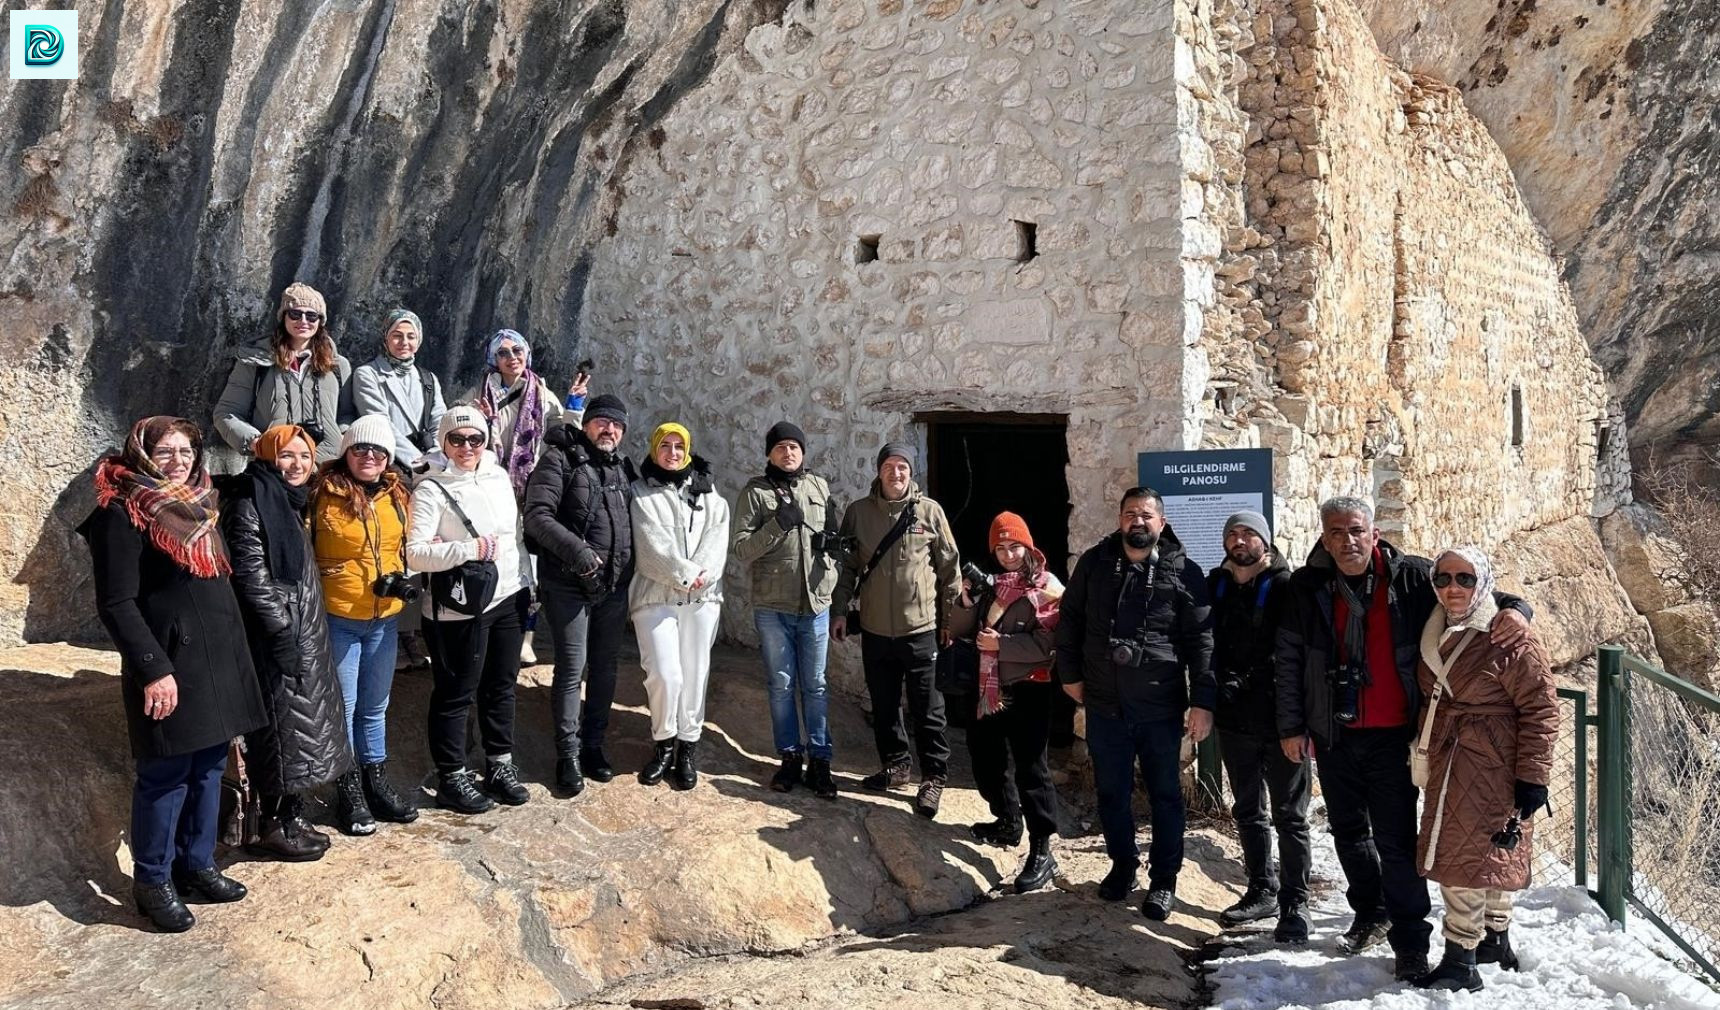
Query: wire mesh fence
[(1674, 810), (1564, 840)]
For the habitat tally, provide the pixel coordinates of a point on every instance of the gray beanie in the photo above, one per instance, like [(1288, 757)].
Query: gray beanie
[(901, 449), (1254, 521)]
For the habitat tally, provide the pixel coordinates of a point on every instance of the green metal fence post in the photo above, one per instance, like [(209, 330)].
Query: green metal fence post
[(1580, 721), (1207, 770), (1612, 847)]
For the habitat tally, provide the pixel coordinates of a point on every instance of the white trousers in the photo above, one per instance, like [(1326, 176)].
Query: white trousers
[(675, 650)]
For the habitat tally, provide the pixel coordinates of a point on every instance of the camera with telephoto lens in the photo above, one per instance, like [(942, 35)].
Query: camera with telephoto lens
[(315, 431), (832, 544), (396, 584), (977, 578), (1128, 652), (1347, 683)]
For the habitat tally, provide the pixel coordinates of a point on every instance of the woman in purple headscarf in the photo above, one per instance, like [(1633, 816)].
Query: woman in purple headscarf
[(519, 404)]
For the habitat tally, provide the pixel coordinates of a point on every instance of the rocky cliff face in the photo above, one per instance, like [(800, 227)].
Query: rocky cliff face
[(1606, 112)]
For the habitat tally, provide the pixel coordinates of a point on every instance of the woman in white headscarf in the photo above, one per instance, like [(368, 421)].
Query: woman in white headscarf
[(1483, 754)]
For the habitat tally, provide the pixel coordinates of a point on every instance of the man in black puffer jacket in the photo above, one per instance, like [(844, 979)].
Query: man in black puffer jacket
[(1133, 619), (1249, 591), (578, 522)]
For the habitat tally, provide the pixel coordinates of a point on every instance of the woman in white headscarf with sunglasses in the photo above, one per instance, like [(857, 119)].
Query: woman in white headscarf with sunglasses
[(1483, 753)]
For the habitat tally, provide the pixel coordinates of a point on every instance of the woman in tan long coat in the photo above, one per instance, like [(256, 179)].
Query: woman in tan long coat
[(1483, 755)]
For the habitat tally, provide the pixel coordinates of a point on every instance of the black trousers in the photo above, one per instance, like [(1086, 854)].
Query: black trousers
[(909, 662), (478, 658), (1257, 768), (1370, 804), (1022, 729)]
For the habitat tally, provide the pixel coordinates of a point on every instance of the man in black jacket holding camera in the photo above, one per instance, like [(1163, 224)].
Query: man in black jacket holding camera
[(577, 521), (1346, 657), (1134, 618)]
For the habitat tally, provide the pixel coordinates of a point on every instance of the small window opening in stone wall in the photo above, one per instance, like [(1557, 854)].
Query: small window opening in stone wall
[(1517, 425), (1224, 398), (866, 249), (1026, 240), (1603, 432)]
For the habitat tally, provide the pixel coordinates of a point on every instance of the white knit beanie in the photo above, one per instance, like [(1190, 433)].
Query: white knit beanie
[(371, 429), (463, 416)]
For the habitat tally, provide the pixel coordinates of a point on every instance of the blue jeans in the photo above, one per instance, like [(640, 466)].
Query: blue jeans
[(1115, 745), (794, 652), (175, 813), (364, 661)]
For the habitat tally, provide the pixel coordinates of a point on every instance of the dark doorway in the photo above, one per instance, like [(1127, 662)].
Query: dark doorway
[(981, 464)]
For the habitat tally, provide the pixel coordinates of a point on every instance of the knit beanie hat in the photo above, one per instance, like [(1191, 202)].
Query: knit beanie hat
[(270, 443), (301, 296), (1253, 520), (499, 337), (463, 416), (407, 314), (901, 449), (664, 431), (608, 405), (1009, 526), (371, 429), (784, 431)]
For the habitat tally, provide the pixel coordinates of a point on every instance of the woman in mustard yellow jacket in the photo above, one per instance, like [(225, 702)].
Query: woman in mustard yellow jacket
[(358, 525)]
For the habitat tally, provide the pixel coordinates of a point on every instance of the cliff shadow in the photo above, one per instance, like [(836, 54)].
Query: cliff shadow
[(56, 572)]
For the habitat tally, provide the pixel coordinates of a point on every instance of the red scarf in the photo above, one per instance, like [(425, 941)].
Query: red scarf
[(1045, 593), (179, 519)]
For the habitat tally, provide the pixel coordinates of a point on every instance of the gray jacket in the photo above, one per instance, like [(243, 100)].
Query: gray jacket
[(260, 395), (385, 386)]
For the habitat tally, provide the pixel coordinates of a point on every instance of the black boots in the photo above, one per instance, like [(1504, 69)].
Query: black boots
[(207, 887), (1362, 934), (1119, 882), (458, 791), (352, 812), (595, 765), (662, 757), (1157, 904), (1496, 949), (1040, 867), (686, 765), (787, 776), (1410, 965), (930, 796), (384, 801), (283, 833), (891, 776), (568, 777), (503, 783), (1293, 924), (818, 779), (1456, 971), (1256, 903), (161, 903), (1004, 832)]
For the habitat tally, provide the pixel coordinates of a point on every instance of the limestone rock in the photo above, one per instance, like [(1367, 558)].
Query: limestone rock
[(1563, 573), (1688, 641), (1645, 558)]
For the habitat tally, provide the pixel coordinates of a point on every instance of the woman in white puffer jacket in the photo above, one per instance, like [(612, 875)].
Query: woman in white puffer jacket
[(680, 544), (463, 509)]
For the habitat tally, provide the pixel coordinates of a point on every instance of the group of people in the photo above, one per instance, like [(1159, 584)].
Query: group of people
[(267, 605)]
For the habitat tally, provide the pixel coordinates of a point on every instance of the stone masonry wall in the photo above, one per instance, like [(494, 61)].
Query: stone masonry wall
[(734, 288)]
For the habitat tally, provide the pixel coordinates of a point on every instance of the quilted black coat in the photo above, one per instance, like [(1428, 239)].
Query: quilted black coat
[(304, 743), (164, 620), (577, 515)]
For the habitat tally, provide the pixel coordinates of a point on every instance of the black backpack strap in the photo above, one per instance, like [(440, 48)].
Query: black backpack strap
[(427, 379), (903, 521)]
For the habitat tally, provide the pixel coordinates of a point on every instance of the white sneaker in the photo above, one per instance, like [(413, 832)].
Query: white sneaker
[(527, 655)]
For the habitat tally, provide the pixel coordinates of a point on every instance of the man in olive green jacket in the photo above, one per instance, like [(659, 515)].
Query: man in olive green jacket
[(904, 609), (784, 531)]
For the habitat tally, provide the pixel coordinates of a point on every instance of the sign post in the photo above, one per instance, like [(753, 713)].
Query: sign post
[(1203, 487)]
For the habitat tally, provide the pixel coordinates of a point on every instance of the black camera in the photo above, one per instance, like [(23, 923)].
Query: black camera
[(396, 584), (1128, 652), (1347, 683), (977, 578), (315, 431), (1511, 836), (832, 544)]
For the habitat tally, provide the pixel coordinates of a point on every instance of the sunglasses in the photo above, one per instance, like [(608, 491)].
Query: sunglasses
[(372, 451), (1465, 579), (509, 352), (304, 314), (469, 441)]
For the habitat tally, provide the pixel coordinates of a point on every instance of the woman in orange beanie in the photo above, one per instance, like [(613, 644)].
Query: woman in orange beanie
[(1011, 622)]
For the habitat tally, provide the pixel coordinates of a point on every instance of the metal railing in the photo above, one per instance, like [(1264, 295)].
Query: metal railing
[(1658, 778)]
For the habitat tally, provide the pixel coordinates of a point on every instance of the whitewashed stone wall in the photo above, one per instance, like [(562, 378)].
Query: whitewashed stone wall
[(729, 294)]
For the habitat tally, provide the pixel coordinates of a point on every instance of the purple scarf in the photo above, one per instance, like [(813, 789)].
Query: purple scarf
[(528, 427)]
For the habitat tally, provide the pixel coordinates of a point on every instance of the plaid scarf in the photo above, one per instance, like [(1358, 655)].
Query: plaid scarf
[(1045, 593), (528, 425), (179, 519)]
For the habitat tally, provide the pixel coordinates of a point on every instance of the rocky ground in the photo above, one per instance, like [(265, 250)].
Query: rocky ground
[(726, 896)]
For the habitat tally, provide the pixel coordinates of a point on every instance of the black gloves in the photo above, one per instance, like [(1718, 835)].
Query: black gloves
[(1530, 798), (789, 516)]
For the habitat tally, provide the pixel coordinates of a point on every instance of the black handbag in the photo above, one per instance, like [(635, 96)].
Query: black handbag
[(241, 807), (468, 588), (957, 670)]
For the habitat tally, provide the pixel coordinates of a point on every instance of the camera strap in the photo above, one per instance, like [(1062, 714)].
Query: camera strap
[(894, 534)]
